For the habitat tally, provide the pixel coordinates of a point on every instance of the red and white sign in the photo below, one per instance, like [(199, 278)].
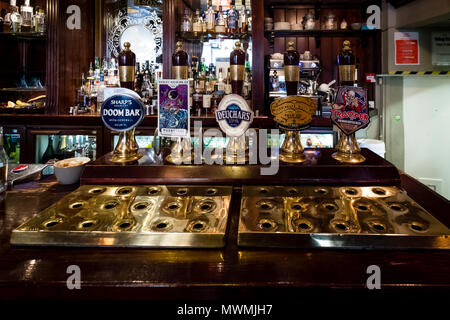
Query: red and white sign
[(406, 48), (371, 77)]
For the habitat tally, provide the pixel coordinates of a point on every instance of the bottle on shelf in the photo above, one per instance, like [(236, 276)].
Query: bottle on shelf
[(7, 17), (232, 19), (197, 22), (249, 19), (221, 82), (237, 67), (247, 89), (210, 17), (3, 164), (49, 153), (242, 23), (127, 65), (15, 20), (206, 99), (197, 101), (147, 89), (347, 65), (27, 15), (186, 22), (138, 79), (38, 22), (228, 87), (215, 99), (220, 22), (291, 69), (180, 62)]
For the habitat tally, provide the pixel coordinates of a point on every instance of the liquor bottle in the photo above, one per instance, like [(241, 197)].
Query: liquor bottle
[(249, 19), (7, 17), (291, 69), (347, 65), (27, 15), (242, 24), (210, 17), (180, 62), (212, 75), (16, 20), (127, 64), (147, 90), (232, 19), (221, 82), (49, 153), (247, 89), (3, 165), (215, 99), (220, 22), (138, 79), (104, 72), (197, 102), (228, 87), (186, 22), (97, 69), (197, 22), (237, 67), (38, 22), (207, 97)]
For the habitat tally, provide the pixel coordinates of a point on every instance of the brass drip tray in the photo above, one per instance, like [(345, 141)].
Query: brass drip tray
[(132, 216), (337, 217)]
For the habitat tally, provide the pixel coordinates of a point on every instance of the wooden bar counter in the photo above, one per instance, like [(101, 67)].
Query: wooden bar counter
[(214, 274)]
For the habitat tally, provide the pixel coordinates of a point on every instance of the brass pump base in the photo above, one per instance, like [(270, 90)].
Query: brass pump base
[(180, 152), (126, 149), (292, 150), (237, 150), (348, 150)]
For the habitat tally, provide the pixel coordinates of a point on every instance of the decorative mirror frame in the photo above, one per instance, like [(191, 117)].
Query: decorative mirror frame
[(123, 21)]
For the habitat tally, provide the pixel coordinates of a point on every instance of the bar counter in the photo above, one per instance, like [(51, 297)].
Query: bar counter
[(228, 273)]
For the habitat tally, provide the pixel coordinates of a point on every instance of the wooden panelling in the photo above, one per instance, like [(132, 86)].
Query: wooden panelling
[(76, 50)]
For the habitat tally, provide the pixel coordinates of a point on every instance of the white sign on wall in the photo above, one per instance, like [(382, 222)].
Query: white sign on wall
[(440, 48)]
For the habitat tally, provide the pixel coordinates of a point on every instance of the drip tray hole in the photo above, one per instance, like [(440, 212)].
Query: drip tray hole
[(378, 191), (51, 223), (76, 205), (124, 191), (197, 226), (418, 227), (351, 192), (154, 191), (267, 225), (162, 225), (321, 191), (182, 192)]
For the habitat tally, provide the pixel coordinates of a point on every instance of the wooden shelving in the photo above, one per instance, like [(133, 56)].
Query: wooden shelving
[(23, 36), (318, 34), (205, 36)]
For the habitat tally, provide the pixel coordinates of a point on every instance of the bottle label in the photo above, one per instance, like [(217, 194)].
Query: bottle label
[(347, 73), (292, 73), (197, 27), (237, 72), (232, 23), (220, 29), (180, 72), (126, 73), (206, 101)]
